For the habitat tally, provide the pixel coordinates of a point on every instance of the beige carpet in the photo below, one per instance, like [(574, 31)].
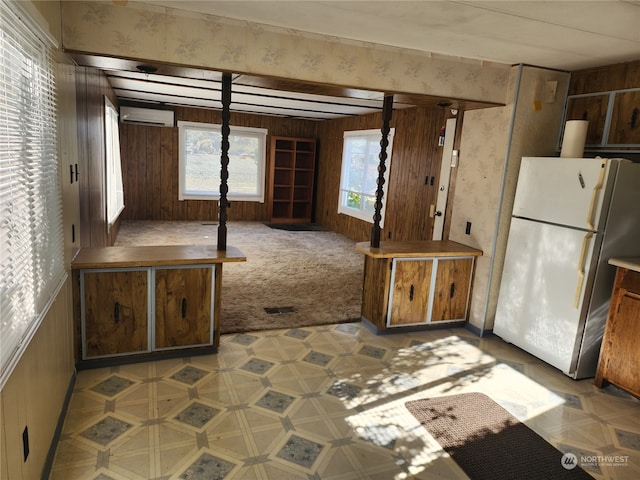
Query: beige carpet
[(309, 278)]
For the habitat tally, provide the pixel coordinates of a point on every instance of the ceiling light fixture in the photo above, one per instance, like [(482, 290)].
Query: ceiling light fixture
[(147, 70)]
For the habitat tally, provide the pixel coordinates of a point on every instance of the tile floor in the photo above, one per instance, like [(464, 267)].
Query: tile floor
[(325, 403)]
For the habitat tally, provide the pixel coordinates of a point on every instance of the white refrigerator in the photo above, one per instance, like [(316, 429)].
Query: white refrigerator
[(570, 215)]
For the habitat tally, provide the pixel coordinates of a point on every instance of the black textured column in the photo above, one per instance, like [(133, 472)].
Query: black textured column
[(384, 143), (224, 162)]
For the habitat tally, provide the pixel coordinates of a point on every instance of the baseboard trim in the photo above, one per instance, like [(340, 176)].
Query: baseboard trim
[(48, 463), (478, 331)]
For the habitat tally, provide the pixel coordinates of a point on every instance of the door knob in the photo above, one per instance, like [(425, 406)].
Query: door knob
[(438, 213)]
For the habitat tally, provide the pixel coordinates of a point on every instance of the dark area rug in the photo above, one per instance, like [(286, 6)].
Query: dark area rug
[(487, 442), (297, 227)]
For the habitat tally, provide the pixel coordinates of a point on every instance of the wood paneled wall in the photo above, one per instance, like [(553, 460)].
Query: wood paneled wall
[(606, 78), (91, 88), (150, 167), (415, 161)]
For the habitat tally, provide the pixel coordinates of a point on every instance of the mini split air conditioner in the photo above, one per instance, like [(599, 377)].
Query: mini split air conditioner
[(146, 116)]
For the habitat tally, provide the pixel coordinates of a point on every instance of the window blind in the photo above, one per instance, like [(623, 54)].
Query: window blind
[(31, 240)]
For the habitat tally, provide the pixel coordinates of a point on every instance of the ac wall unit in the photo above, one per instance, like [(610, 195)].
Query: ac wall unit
[(146, 116)]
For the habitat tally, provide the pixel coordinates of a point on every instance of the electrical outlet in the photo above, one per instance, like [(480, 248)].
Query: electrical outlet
[(25, 443), (467, 230)]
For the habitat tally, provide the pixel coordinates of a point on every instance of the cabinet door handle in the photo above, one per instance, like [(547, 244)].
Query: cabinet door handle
[(634, 118), (452, 290), (184, 308), (116, 312), (411, 292)]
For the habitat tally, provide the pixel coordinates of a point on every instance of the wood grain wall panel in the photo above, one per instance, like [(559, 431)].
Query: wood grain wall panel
[(602, 79), (150, 165), (415, 159), (92, 87)]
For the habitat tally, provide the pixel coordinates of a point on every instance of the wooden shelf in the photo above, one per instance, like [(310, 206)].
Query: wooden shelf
[(291, 179)]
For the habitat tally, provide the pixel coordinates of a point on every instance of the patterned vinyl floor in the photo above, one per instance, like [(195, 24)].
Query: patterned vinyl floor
[(326, 403)]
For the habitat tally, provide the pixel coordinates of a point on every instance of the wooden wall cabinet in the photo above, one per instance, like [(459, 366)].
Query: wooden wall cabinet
[(291, 179), (416, 284), (619, 361)]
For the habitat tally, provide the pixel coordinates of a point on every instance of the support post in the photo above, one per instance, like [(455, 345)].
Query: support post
[(387, 109), (224, 162)]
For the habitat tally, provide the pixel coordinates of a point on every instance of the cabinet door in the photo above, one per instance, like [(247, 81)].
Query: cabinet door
[(451, 294), (592, 108), (183, 307), (115, 312), (622, 362), (410, 292), (625, 121)]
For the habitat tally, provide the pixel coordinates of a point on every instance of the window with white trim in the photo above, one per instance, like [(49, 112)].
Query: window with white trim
[(32, 255), (199, 160), (359, 175), (115, 194)]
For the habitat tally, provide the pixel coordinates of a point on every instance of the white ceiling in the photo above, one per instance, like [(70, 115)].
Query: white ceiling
[(566, 35)]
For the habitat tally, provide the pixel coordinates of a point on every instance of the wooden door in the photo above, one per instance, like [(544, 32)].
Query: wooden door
[(410, 292), (451, 294), (115, 312), (592, 108), (183, 307), (625, 121)]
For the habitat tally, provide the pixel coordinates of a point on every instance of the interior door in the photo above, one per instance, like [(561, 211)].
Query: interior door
[(541, 305), (448, 162)]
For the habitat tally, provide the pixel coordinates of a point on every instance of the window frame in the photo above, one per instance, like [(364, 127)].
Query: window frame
[(113, 165), (32, 264), (370, 136), (259, 133)]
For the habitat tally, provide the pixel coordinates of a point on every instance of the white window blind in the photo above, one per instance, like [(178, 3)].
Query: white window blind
[(115, 193), (31, 239)]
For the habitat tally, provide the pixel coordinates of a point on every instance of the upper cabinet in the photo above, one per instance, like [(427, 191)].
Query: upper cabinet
[(609, 98)]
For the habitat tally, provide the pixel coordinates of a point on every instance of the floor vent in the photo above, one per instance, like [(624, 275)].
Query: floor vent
[(275, 310)]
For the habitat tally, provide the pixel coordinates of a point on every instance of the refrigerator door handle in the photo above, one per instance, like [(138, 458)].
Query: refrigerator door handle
[(581, 267), (594, 195)]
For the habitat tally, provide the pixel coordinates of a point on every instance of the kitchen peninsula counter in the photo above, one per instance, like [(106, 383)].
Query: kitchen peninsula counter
[(416, 284)]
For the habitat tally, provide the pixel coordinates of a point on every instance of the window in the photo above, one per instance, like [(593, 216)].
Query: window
[(115, 195), (359, 177), (32, 256), (199, 158)]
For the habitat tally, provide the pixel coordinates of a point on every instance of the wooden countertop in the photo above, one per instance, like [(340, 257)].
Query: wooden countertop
[(424, 248), (145, 256), (632, 263)]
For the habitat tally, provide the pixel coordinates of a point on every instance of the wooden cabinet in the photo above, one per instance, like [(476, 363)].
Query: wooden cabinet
[(115, 312), (619, 361), (416, 284), (135, 301), (183, 307), (614, 117), (291, 179), (592, 108), (129, 311)]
